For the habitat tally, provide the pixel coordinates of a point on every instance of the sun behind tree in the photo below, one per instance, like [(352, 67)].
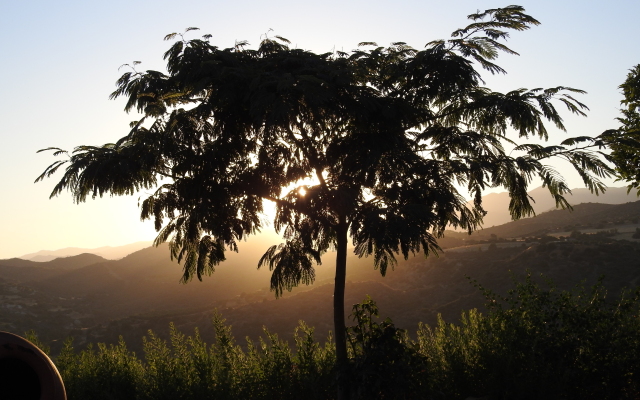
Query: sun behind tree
[(386, 134)]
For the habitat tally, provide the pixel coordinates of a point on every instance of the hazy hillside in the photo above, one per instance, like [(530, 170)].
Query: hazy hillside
[(497, 204), (416, 291), (83, 291), (108, 252), (583, 216), (19, 271), (95, 299)]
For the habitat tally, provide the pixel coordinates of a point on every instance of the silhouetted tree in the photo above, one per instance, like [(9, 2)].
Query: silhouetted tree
[(625, 141), (373, 144)]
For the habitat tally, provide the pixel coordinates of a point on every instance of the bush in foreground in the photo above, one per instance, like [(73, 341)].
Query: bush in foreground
[(533, 343), (539, 343)]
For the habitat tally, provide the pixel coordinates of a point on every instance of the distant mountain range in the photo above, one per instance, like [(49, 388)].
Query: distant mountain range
[(108, 252), (416, 291), (497, 204), (586, 216), (96, 299)]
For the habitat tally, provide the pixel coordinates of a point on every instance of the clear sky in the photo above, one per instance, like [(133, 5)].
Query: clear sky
[(60, 61)]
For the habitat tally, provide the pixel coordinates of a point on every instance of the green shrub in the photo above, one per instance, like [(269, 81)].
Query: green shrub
[(314, 365), (535, 342), (539, 343), (111, 372), (385, 362)]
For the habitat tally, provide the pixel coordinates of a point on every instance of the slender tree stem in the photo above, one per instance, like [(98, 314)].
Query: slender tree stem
[(338, 309)]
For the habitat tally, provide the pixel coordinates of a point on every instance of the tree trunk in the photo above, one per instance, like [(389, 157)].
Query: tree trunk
[(340, 328)]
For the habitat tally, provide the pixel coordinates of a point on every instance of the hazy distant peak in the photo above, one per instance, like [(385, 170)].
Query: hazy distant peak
[(497, 204), (107, 252)]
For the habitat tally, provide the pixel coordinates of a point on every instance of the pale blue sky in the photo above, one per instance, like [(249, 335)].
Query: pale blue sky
[(60, 61)]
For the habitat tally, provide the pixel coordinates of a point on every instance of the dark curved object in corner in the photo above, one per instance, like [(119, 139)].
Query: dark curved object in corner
[(26, 373)]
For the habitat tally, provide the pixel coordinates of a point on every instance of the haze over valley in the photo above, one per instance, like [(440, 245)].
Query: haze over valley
[(95, 299)]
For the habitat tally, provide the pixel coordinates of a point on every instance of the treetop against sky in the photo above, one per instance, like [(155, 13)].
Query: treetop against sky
[(66, 58)]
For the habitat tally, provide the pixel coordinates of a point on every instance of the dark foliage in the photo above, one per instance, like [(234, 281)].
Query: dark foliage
[(371, 145), (385, 363), (535, 342), (625, 141)]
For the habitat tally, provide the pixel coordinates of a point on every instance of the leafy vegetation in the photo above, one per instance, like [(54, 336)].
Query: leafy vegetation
[(535, 342), (369, 146), (625, 141)]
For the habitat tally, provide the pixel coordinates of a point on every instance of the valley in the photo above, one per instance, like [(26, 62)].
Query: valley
[(96, 300)]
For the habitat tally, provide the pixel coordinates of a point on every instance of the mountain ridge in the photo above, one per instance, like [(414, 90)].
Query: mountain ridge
[(107, 252), (584, 216), (497, 204), (95, 299)]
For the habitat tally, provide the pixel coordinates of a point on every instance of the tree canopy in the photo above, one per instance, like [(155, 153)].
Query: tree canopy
[(375, 145), (625, 141)]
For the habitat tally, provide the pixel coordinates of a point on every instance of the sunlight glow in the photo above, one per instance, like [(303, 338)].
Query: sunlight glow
[(269, 207), (32, 222)]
